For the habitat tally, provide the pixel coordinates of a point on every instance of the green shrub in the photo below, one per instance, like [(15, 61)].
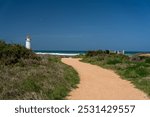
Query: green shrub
[(14, 53), (130, 73), (143, 85), (147, 60), (98, 52), (113, 61), (54, 59), (142, 71), (29, 85)]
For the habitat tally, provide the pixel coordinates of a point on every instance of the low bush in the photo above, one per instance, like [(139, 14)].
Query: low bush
[(147, 60), (13, 53), (114, 61)]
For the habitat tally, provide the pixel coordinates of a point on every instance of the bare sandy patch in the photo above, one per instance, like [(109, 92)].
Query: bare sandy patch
[(146, 55)]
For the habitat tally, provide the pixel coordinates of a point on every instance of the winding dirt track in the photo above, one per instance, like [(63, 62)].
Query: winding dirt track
[(97, 83)]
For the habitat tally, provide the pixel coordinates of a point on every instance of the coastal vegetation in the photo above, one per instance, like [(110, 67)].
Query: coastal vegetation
[(25, 75), (135, 68)]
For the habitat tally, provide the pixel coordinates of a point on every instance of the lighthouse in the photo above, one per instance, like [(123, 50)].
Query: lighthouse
[(28, 42)]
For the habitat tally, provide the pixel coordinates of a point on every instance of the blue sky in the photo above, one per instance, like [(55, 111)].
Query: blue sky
[(77, 24)]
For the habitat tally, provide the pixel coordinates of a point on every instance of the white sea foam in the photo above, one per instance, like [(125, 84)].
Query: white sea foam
[(59, 54)]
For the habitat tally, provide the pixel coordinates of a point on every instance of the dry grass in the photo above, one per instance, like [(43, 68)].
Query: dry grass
[(46, 80)]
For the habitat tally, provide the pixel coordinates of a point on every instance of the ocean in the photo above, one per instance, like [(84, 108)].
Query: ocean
[(74, 53), (59, 52)]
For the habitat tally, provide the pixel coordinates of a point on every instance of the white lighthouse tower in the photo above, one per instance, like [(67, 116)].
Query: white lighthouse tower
[(28, 42)]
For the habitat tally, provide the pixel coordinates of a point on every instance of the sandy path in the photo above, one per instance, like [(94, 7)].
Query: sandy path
[(97, 83)]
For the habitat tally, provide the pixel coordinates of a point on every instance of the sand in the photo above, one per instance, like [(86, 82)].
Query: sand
[(97, 83), (146, 55)]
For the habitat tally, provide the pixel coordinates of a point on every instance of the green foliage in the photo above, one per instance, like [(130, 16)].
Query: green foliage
[(54, 59), (30, 86), (113, 61), (71, 76), (147, 60), (90, 53), (14, 53), (143, 84), (95, 53)]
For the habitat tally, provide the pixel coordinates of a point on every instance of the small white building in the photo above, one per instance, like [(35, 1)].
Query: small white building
[(121, 52), (28, 42)]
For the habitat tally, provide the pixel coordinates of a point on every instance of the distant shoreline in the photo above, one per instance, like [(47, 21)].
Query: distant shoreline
[(58, 54), (75, 53)]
